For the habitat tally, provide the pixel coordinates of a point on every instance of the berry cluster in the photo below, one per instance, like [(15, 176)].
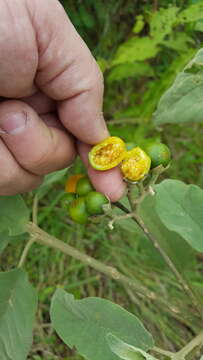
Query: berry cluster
[(81, 200)]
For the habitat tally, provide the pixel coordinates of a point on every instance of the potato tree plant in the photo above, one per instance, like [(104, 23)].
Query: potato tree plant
[(169, 214)]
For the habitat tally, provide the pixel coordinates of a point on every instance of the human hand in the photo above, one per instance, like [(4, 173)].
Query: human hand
[(51, 93)]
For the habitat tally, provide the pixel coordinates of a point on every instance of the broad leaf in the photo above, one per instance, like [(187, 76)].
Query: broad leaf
[(4, 240), (183, 101), (191, 13), (162, 22), (178, 42), (18, 302), (136, 49), (127, 70), (85, 324), (173, 244), (180, 209), (126, 351), (14, 214)]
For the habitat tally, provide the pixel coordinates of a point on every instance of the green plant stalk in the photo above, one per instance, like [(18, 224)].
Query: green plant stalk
[(25, 252), (31, 240), (44, 238), (169, 354), (196, 342)]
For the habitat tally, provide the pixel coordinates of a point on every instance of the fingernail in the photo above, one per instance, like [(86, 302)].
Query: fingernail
[(13, 123)]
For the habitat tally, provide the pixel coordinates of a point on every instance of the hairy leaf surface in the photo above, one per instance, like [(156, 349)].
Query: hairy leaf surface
[(85, 324), (182, 102), (18, 302)]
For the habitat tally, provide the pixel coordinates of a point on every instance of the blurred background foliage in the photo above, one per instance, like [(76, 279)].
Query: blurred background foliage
[(140, 47)]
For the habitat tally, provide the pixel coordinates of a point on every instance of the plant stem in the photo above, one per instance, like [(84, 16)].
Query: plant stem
[(162, 351), (186, 287), (121, 207), (35, 209), (44, 238), (198, 340), (25, 252), (31, 240)]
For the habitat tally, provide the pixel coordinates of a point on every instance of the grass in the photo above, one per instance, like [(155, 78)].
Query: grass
[(128, 252)]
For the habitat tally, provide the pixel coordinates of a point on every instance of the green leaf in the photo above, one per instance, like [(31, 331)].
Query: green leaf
[(178, 41), (4, 240), (103, 64), (191, 13), (127, 70), (49, 180), (139, 24), (162, 22), (85, 324), (18, 302), (173, 244), (158, 87), (14, 214), (135, 49), (180, 209), (182, 102), (199, 25), (126, 351)]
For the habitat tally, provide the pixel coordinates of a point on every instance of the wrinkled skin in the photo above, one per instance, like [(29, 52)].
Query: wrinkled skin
[(51, 92)]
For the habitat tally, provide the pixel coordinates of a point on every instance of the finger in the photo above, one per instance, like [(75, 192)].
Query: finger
[(14, 179), (36, 147), (51, 120), (41, 103), (107, 182), (19, 52), (68, 73)]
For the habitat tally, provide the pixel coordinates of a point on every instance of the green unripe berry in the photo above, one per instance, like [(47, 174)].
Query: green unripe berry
[(78, 212), (159, 154), (83, 186), (94, 202), (67, 199)]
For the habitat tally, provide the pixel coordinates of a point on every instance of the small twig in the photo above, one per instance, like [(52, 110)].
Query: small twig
[(25, 252), (186, 287), (44, 238), (121, 207), (35, 209), (155, 6), (134, 205), (31, 240), (117, 218), (163, 352), (198, 340)]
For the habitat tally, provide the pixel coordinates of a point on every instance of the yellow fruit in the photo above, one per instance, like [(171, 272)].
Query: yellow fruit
[(136, 164), (107, 154)]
